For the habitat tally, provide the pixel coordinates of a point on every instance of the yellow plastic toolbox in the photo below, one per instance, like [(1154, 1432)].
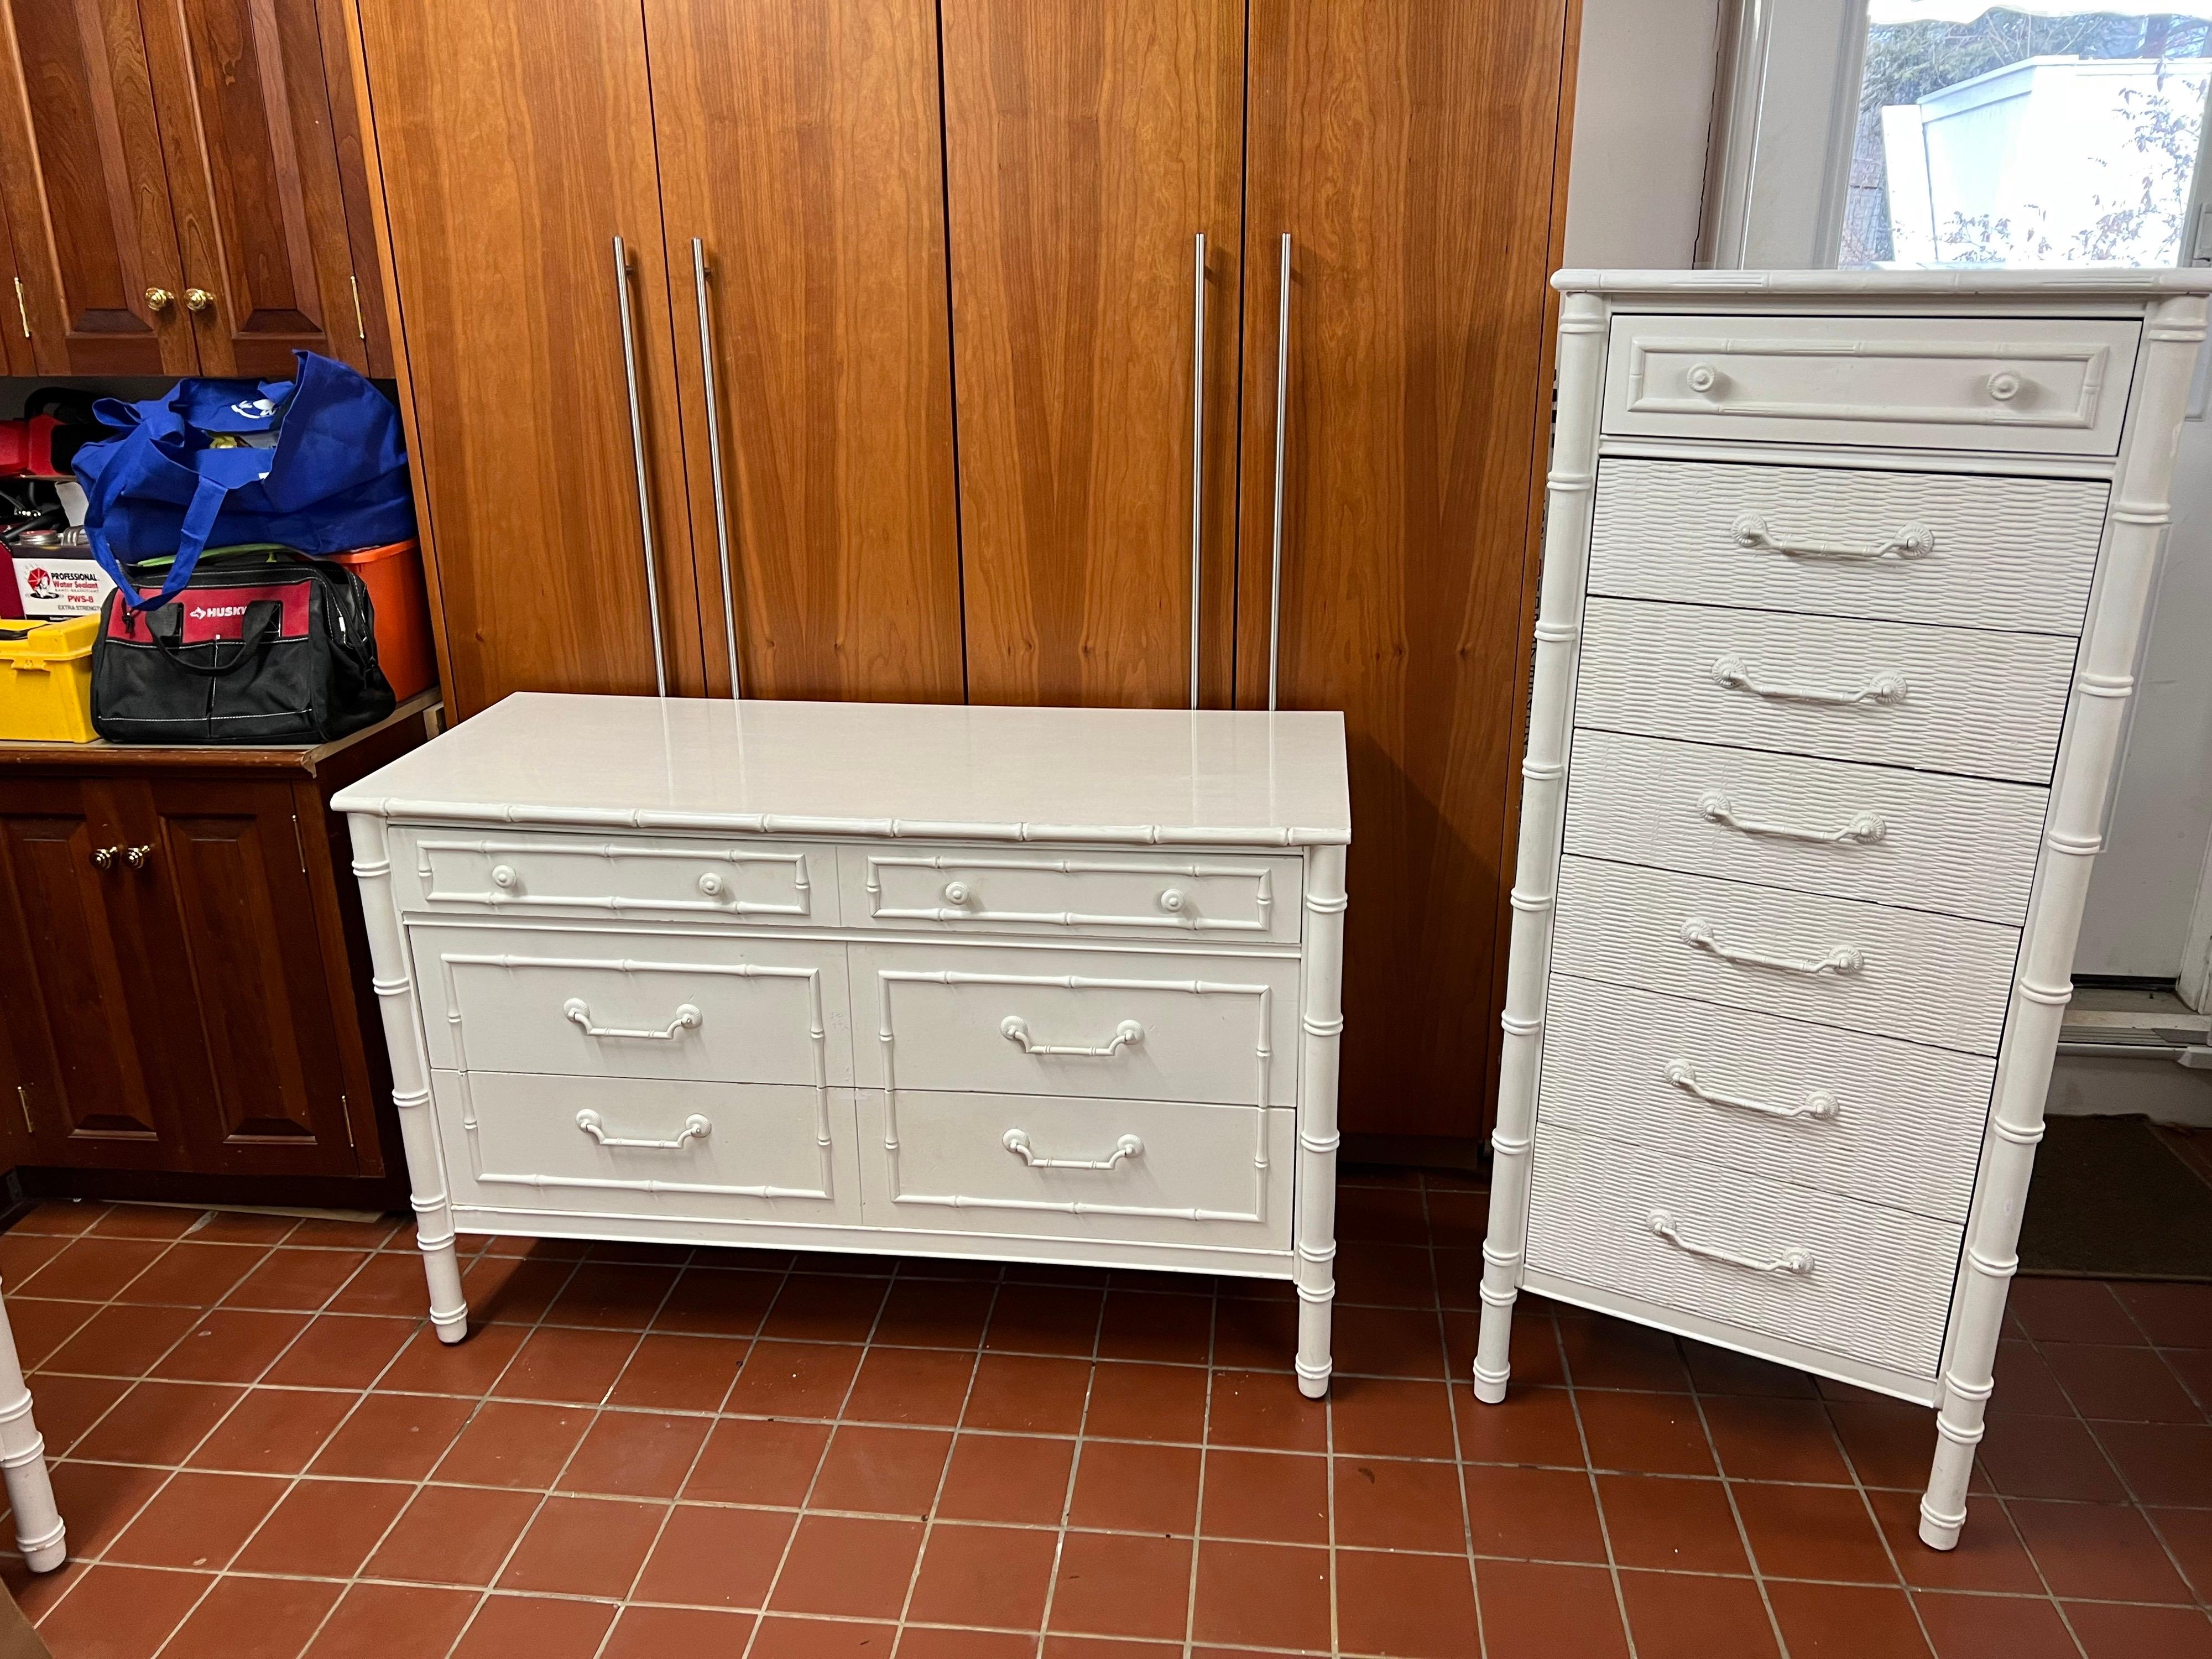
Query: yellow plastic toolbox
[(45, 679)]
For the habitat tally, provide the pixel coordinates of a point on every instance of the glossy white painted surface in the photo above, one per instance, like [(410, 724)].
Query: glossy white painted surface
[(1052, 985)]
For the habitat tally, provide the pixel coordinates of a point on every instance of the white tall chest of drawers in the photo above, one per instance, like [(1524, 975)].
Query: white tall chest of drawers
[(1845, 577), (1030, 984)]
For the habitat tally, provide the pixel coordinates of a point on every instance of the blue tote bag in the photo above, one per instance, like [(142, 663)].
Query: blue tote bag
[(196, 467)]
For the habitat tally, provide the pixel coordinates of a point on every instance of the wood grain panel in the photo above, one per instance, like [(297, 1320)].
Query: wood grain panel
[(800, 141), (17, 352), (253, 173), (1086, 144), (350, 136), (1410, 147), (515, 142), (81, 167)]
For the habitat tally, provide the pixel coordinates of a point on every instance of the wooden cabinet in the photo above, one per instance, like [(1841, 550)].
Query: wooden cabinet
[(191, 995), (171, 177)]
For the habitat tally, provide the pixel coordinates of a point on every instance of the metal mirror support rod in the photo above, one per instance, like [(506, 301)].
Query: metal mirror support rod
[(1197, 444), (1282, 405), (637, 450), (715, 459)]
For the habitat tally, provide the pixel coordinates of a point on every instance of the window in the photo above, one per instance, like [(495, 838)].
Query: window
[(2037, 133)]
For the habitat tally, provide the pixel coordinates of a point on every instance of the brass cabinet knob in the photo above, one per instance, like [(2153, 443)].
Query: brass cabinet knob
[(157, 298), (199, 299), (103, 858), (137, 857)]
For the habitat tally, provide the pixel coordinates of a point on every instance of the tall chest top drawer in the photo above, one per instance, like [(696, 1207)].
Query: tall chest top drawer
[(470, 872), (2026, 385), (1903, 547)]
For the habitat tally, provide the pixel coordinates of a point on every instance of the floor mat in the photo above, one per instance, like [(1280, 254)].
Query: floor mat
[(2112, 1199)]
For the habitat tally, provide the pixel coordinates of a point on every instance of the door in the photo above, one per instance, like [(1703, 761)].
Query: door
[(515, 142), (78, 1002), (801, 142), (1087, 145), (1410, 149), (16, 352), (254, 177), (227, 907), (81, 169)]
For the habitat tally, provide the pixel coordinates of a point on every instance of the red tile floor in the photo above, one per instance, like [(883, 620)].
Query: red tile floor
[(261, 1452)]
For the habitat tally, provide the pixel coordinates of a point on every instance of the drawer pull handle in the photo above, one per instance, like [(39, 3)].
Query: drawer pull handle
[(1703, 377), (1172, 901), (712, 884), (1796, 1260), (1818, 1103), (958, 892), (1864, 827), (1698, 933), (1016, 1029), (695, 1128), (580, 1013), (2005, 385), (1733, 672), (1017, 1141), (1914, 541), (502, 877)]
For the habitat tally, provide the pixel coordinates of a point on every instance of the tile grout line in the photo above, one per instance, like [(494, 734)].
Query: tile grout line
[(1458, 1458), (2142, 1508), (1205, 1457), (1075, 1471), (1759, 1577)]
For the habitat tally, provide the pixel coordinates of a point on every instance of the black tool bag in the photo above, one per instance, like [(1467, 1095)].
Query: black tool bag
[(279, 649)]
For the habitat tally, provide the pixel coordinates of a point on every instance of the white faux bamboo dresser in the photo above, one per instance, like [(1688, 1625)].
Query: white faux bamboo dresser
[(1845, 580), (1036, 984)]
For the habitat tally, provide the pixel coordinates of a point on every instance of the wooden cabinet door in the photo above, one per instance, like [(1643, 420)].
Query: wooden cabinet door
[(516, 144), (253, 175), (801, 142), (1413, 150), (16, 352), (1086, 144), (87, 202), (227, 911), (78, 1002)]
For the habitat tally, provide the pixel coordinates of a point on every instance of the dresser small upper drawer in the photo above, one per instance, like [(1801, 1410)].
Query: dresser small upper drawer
[(777, 882), (1232, 898), (1943, 699), (1964, 846), (1863, 967), (2038, 386), (1906, 547)]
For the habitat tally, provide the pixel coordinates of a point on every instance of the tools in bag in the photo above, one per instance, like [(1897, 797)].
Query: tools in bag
[(265, 645)]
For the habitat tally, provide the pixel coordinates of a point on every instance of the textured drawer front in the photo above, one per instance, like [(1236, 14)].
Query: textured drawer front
[(1964, 846), (1905, 547), (777, 882), (1884, 1122), (1122, 1025), (1865, 968), (1113, 1168), (1876, 1286), (2035, 385), (594, 1003), (713, 1150), (1230, 898), (1945, 700)]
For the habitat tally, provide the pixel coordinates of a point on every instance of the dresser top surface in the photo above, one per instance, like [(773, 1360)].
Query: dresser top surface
[(1118, 774)]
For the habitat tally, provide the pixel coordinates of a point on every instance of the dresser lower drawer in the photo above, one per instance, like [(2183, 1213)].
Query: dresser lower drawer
[(1941, 699), (1862, 1282), (1967, 846), (1867, 968), (1150, 1171), (1891, 1123), (708, 1150)]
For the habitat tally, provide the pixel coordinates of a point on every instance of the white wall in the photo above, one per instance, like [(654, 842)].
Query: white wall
[(1643, 101)]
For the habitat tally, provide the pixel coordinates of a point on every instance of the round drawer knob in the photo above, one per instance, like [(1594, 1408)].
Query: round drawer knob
[(1703, 377), (2004, 385), (711, 884), (1172, 900), (503, 878), (958, 892)]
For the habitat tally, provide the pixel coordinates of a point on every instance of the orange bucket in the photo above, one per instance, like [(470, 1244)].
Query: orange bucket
[(394, 573)]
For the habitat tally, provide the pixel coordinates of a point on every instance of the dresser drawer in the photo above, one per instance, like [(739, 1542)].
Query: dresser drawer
[(1120, 1025), (1228, 899), (1945, 700), (2033, 385), (745, 881), (589, 1002), (1079, 1168), (663, 1149), (1967, 846), (1903, 547), (1905, 974), (1853, 1279), (1885, 1122)]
